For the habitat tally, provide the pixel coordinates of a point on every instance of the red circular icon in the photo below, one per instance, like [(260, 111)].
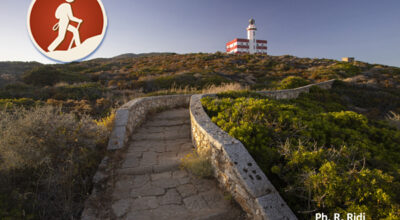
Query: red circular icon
[(67, 30)]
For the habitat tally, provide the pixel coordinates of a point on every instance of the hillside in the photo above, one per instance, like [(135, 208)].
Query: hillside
[(10, 71), (97, 85), (159, 70), (58, 100), (152, 72)]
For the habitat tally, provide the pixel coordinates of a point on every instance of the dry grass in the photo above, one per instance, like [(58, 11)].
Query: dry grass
[(224, 87), (178, 90), (199, 165), (61, 84), (47, 158), (107, 122)]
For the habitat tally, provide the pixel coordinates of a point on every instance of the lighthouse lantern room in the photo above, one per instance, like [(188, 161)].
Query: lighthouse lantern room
[(250, 45)]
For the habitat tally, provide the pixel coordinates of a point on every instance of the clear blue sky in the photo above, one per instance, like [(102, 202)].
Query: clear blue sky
[(366, 29)]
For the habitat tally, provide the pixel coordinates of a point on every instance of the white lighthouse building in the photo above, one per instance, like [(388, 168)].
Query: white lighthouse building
[(250, 45)]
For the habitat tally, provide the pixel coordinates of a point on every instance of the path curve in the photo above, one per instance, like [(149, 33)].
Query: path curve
[(149, 183)]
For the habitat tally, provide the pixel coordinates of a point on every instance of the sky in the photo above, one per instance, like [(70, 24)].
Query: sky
[(368, 30)]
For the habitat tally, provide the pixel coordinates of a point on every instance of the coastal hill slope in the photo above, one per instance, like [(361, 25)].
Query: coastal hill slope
[(74, 106), (95, 85)]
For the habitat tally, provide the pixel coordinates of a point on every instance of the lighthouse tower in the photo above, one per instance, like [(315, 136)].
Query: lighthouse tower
[(251, 36), (250, 45)]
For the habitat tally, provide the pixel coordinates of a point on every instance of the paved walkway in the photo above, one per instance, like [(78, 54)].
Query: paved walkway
[(150, 185)]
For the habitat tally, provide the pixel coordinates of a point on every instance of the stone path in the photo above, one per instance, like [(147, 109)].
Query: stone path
[(150, 185)]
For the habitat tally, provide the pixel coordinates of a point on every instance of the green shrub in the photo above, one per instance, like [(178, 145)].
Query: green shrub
[(47, 159), (338, 70), (346, 69), (182, 81), (320, 156), (9, 104), (42, 76), (292, 82), (22, 90), (323, 74), (87, 91), (238, 94), (51, 75)]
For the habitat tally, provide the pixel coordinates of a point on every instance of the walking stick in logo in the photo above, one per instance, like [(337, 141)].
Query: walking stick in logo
[(64, 15), (73, 39)]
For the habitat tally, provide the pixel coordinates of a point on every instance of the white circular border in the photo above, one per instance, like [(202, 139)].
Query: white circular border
[(105, 25)]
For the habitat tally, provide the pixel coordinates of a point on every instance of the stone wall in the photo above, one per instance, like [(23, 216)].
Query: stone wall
[(129, 117), (133, 113), (234, 167), (294, 93)]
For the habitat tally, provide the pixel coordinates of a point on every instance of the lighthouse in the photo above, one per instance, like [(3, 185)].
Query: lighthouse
[(251, 36), (250, 45)]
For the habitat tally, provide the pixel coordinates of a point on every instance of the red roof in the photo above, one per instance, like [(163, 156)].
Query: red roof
[(245, 40), (237, 40), (241, 40), (238, 52), (236, 46)]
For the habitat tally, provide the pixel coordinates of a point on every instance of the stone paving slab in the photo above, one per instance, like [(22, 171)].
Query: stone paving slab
[(150, 185), (166, 123)]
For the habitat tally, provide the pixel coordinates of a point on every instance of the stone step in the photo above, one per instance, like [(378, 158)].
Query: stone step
[(173, 166), (173, 114), (137, 148), (172, 117), (167, 135), (165, 123), (218, 214), (162, 130)]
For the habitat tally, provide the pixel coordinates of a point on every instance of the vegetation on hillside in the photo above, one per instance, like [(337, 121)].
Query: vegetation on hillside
[(292, 82), (319, 155), (103, 84), (46, 160), (10, 71), (80, 98)]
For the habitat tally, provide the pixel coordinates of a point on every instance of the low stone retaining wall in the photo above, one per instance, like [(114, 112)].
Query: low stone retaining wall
[(234, 167), (294, 93), (132, 114), (129, 117)]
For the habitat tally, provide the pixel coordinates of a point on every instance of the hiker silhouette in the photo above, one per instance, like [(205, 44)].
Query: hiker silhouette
[(64, 15)]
